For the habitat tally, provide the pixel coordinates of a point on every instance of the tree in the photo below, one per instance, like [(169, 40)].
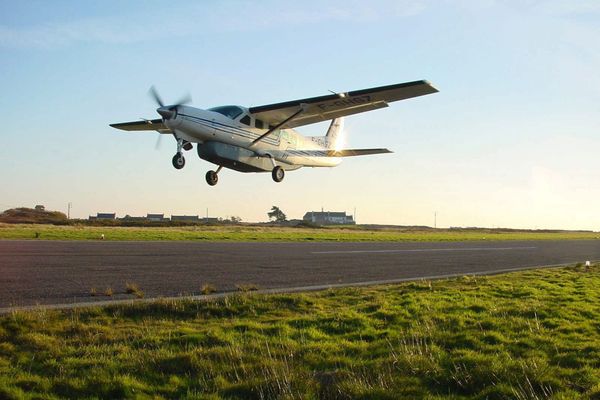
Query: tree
[(235, 219), (276, 214)]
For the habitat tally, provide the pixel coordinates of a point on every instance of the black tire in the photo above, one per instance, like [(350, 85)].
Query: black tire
[(178, 161), (212, 178), (278, 174)]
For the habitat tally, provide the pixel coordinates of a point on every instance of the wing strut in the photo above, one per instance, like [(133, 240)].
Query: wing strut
[(279, 125)]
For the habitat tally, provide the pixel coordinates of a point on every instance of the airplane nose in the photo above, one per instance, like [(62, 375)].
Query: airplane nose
[(165, 112)]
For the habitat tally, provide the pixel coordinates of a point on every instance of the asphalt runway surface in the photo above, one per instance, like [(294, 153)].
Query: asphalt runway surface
[(63, 272)]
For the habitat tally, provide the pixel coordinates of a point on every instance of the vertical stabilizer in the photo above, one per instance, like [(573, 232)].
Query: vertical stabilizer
[(334, 136)]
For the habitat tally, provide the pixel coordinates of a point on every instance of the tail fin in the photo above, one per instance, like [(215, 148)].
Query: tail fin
[(334, 133)]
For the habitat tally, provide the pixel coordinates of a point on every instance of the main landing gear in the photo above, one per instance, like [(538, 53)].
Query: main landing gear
[(212, 177), (278, 174)]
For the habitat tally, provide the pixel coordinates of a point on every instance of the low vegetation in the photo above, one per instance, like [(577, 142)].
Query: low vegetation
[(24, 215), (133, 288), (527, 335), (246, 287), (251, 233), (207, 289)]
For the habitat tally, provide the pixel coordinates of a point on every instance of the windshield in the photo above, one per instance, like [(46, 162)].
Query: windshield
[(229, 111)]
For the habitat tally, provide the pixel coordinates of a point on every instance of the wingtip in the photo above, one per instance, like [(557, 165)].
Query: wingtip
[(435, 90)]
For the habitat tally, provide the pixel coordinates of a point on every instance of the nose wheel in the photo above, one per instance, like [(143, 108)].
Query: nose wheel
[(178, 161), (278, 174)]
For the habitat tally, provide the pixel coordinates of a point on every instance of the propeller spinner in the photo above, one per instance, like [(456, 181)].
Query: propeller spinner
[(167, 112)]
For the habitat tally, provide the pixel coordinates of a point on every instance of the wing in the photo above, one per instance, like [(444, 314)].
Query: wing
[(324, 108), (337, 153), (144, 125)]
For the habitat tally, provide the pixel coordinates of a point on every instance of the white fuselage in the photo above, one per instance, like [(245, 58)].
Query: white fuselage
[(284, 146)]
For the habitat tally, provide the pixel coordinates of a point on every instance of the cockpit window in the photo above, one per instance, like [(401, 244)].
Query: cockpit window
[(229, 111), (246, 120)]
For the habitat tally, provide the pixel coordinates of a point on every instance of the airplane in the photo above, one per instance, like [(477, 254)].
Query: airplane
[(262, 138)]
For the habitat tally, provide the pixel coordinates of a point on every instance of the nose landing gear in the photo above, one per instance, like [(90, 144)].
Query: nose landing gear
[(178, 159)]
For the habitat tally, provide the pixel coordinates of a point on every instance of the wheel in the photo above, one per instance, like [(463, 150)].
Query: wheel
[(178, 161), (212, 178), (278, 174)]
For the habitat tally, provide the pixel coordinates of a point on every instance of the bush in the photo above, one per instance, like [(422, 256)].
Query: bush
[(23, 215)]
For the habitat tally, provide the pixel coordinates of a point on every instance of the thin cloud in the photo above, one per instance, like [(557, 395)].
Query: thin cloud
[(198, 20)]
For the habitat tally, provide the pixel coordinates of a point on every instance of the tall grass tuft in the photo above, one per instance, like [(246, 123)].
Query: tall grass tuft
[(133, 288), (207, 289)]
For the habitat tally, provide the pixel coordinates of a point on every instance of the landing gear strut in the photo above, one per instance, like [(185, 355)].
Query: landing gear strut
[(278, 174), (212, 177), (178, 159)]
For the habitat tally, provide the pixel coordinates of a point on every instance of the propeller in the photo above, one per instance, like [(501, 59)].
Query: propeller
[(167, 112), (156, 96), (158, 141)]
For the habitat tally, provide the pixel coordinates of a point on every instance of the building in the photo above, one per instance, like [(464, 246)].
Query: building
[(329, 217), (40, 207), (156, 217), (103, 216), (186, 218), (129, 218)]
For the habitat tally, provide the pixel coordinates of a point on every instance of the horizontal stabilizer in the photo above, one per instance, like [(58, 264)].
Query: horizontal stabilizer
[(144, 125), (356, 152), (337, 153)]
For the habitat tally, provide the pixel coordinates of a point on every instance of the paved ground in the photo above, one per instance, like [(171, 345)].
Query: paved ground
[(54, 272)]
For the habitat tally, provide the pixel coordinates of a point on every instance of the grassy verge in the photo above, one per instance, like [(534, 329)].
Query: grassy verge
[(271, 233), (527, 335)]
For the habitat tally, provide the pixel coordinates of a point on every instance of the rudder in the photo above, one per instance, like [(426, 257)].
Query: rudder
[(334, 133)]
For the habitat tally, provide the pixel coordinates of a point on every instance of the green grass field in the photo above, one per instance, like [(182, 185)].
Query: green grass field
[(526, 335), (272, 233)]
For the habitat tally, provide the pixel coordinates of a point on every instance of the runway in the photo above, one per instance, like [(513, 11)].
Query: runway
[(60, 272)]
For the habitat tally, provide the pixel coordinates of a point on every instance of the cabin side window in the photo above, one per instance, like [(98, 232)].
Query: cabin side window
[(259, 124), (229, 111), (246, 120)]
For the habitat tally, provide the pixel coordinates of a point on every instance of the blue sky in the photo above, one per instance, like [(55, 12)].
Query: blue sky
[(511, 140)]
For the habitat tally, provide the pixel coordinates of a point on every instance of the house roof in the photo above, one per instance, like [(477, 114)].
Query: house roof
[(325, 214), (105, 215)]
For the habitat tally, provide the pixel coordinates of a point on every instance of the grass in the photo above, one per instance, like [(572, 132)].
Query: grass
[(250, 233), (134, 289), (207, 288), (246, 287), (526, 335)]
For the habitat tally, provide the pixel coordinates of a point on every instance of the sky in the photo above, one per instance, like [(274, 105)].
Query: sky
[(511, 140)]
